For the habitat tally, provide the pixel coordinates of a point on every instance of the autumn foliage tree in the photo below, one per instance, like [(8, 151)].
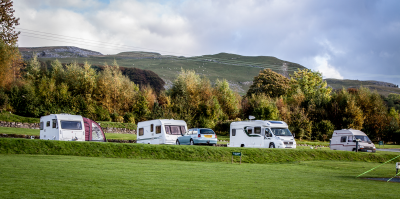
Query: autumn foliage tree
[(269, 83), (10, 59)]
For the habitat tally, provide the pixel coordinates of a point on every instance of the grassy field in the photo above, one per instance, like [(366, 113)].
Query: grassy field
[(9, 117), (22, 131), (120, 136), (19, 131), (104, 124), (40, 176), (184, 153)]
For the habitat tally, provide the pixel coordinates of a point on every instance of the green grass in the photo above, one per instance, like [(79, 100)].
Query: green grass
[(313, 143), (185, 153), (104, 124), (19, 131), (391, 146), (9, 117), (40, 176), (120, 136)]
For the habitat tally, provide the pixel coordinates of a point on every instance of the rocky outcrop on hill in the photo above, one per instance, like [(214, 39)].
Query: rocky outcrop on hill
[(57, 52), (386, 84)]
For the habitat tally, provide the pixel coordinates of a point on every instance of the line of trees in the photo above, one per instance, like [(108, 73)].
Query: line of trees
[(304, 101), (312, 110)]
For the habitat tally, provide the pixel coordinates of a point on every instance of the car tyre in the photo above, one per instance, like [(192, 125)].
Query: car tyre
[(191, 142), (177, 142), (271, 145)]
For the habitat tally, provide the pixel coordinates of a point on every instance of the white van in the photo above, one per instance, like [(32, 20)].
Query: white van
[(66, 127), (345, 140), (161, 131), (261, 134)]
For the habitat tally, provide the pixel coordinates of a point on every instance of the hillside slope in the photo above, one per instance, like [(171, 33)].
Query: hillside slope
[(237, 69), (383, 88)]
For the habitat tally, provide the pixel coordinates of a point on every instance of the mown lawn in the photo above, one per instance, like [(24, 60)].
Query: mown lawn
[(47, 176), (22, 131)]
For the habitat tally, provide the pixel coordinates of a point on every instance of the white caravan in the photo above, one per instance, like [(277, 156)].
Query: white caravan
[(66, 127), (162, 131), (345, 140), (261, 134)]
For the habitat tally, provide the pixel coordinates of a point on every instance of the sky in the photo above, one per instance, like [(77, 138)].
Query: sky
[(357, 39)]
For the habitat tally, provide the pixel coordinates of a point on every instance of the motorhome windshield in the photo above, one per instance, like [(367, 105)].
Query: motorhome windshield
[(175, 130), (72, 125), (281, 132), (363, 138)]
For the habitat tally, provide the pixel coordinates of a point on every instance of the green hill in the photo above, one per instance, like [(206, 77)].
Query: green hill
[(237, 69), (383, 88)]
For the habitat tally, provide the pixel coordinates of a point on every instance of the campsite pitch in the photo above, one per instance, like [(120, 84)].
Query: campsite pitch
[(46, 176)]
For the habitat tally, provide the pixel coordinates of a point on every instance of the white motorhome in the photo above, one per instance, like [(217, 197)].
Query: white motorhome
[(345, 140), (261, 134), (66, 127), (161, 131)]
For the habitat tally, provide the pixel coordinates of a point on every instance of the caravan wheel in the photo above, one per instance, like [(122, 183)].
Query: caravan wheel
[(177, 142), (191, 142)]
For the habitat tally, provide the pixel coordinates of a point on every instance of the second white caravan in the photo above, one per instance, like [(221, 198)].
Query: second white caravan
[(261, 134), (162, 131)]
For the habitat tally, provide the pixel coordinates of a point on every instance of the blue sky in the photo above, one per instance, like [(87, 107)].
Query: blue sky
[(357, 39)]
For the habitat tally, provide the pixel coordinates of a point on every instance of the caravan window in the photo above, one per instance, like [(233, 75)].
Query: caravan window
[(250, 131), (96, 133), (151, 127), (47, 123), (141, 131), (233, 132), (183, 129), (343, 139), (41, 125), (54, 123), (350, 138), (158, 129), (175, 130), (257, 130), (72, 125)]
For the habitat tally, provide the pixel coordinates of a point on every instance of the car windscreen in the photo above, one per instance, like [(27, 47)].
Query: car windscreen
[(363, 138), (281, 132), (175, 130), (206, 131), (72, 125)]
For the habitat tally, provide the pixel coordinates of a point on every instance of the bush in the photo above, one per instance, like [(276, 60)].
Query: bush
[(129, 118), (102, 114)]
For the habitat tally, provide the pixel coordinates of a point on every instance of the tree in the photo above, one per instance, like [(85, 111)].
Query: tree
[(311, 84), (227, 99), (260, 106), (269, 83), (375, 112), (8, 23)]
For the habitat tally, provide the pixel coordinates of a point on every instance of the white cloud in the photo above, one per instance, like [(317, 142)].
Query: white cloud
[(327, 70), (329, 36)]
